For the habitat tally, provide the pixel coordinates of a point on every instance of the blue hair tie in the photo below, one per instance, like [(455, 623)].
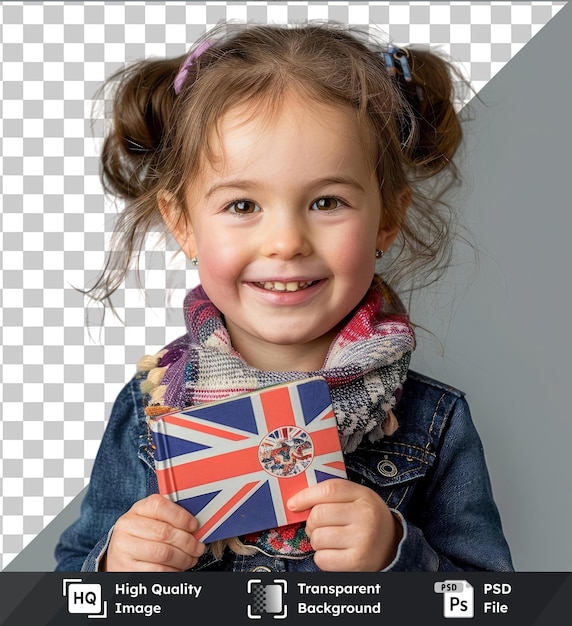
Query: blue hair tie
[(396, 58)]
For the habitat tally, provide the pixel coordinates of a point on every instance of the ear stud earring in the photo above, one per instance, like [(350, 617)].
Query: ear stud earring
[(378, 254), (195, 261)]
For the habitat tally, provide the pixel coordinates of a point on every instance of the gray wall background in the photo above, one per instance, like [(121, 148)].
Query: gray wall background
[(506, 335), (507, 338)]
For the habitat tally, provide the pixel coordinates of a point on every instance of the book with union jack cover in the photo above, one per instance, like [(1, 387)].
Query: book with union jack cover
[(235, 463)]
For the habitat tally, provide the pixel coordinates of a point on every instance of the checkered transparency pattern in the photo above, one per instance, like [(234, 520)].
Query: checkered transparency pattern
[(58, 379)]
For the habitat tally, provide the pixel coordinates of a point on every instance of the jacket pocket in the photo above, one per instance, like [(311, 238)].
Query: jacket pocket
[(390, 468)]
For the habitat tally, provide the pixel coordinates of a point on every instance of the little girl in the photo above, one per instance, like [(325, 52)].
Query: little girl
[(286, 162)]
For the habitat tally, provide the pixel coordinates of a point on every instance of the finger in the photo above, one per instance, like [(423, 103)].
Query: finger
[(163, 532), (335, 560), (165, 554), (143, 521), (142, 566), (158, 507), (333, 490), (330, 538), (330, 514), (144, 555)]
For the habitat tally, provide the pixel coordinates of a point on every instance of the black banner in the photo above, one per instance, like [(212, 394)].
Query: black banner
[(46, 599)]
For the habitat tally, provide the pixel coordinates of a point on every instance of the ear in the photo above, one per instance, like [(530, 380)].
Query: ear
[(177, 223), (389, 228)]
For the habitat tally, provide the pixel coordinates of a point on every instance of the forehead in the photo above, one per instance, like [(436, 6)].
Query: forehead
[(290, 125)]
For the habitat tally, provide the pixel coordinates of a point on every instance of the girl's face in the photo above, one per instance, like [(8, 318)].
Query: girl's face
[(286, 223)]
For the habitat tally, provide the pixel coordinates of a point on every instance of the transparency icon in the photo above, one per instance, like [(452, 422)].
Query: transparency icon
[(267, 599)]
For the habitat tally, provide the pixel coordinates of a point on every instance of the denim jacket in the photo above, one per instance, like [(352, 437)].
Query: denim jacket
[(431, 473)]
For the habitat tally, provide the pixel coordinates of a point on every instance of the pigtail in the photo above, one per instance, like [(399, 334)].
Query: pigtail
[(431, 136), (142, 110), (131, 157), (429, 127)]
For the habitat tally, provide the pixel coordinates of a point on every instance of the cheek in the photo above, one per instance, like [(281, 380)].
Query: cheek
[(359, 265), (355, 248), (218, 265)]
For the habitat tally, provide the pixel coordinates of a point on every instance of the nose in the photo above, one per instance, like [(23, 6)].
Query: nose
[(286, 235)]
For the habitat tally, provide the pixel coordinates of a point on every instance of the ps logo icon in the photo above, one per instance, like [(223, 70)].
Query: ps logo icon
[(84, 598), (458, 598)]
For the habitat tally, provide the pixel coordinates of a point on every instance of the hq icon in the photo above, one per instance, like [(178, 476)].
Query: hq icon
[(84, 598)]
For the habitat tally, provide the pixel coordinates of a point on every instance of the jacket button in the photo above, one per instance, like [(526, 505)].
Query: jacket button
[(261, 568), (387, 468)]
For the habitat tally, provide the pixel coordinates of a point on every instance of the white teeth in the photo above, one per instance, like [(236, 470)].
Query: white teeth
[(280, 286)]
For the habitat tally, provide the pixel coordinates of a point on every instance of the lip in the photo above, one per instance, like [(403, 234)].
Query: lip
[(290, 298), (285, 284)]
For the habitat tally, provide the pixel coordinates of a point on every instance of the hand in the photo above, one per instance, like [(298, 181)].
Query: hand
[(155, 535), (350, 527)]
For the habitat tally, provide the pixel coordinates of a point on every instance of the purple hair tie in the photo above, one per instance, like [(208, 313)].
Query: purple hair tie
[(181, 77)]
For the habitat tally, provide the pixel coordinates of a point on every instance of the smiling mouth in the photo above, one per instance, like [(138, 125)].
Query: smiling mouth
[(289, 286)]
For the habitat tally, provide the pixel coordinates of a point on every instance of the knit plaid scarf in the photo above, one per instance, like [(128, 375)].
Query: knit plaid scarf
[(365, 367)]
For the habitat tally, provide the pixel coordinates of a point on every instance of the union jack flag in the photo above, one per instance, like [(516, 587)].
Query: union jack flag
[(235, 463)]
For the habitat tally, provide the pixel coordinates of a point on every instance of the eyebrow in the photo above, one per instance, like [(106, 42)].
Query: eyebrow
[(246, 184), (231, 184)]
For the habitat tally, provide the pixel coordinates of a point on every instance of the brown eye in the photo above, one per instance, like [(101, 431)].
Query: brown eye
[(243, 207), (325, 204)]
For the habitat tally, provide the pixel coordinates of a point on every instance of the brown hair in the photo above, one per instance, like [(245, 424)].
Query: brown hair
[(157, 138)]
